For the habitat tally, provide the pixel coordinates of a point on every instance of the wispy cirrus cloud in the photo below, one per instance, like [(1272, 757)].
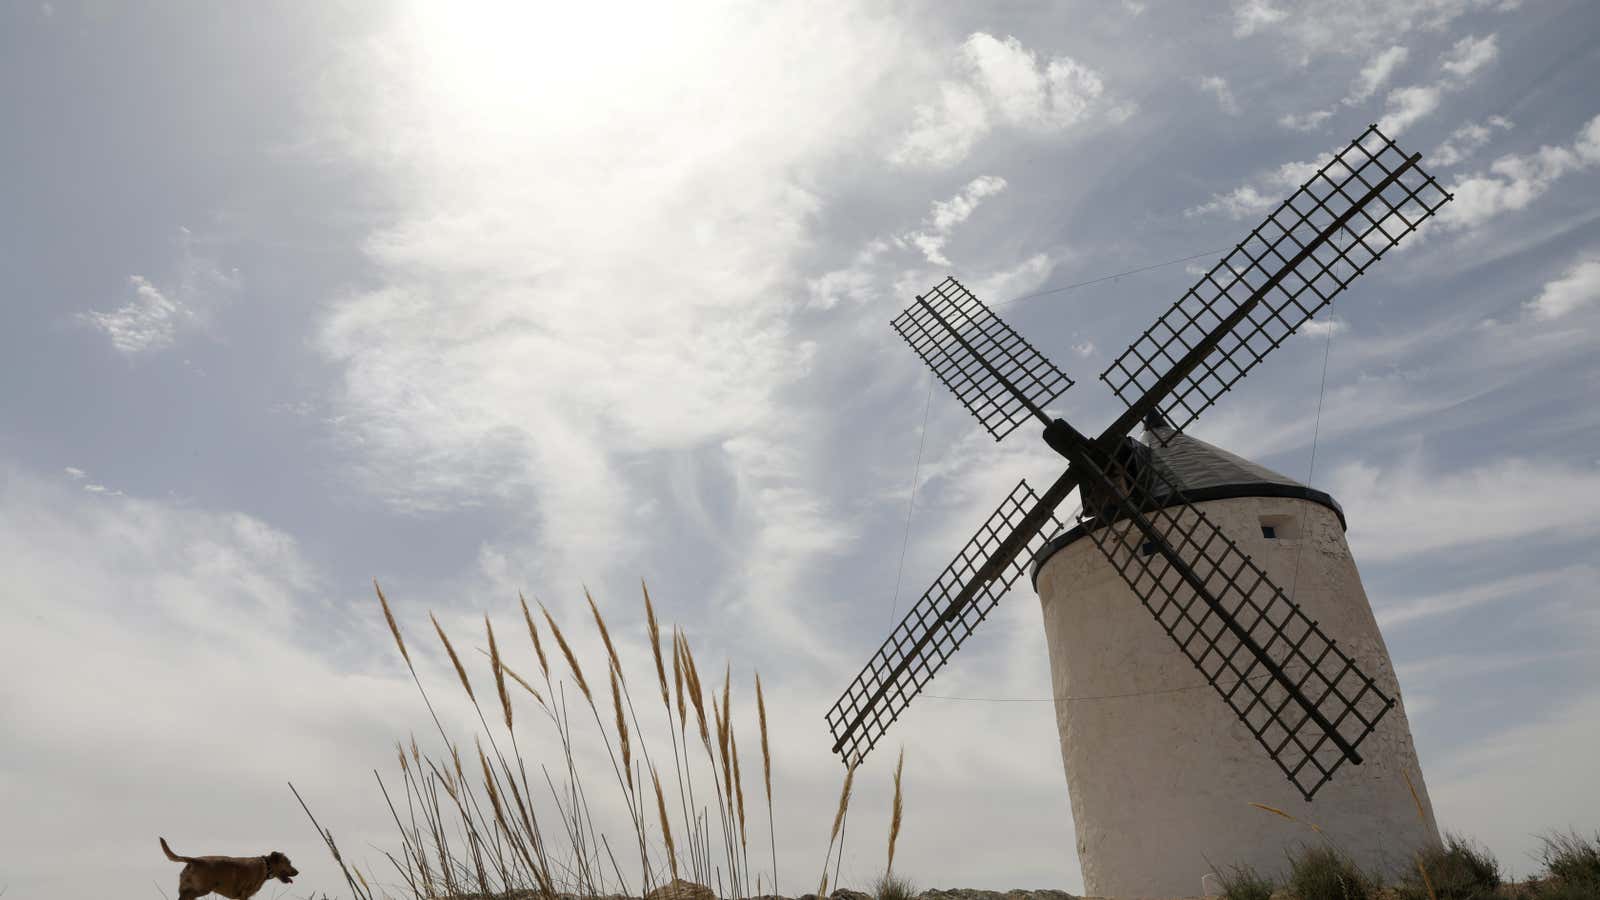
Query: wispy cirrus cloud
[(1404, 107), (1409, 509), (1374, 75), (1310, 28), (883, 263)]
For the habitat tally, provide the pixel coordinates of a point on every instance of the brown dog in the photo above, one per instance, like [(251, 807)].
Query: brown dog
[(235, 877)]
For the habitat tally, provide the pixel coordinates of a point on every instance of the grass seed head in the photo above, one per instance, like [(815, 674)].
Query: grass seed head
[(454, 659), (499, 673), (394, 628), (533, 633), (566, 650), (605, 633), (666, 824), (766, 755), (622, 724), (655, 644), (896, 810), (677, 673)]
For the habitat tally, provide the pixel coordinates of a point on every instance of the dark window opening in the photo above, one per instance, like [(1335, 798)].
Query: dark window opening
[(1269, 531), (1147, 548)]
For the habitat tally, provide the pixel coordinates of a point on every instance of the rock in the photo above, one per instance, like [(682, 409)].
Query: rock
[(847, 894), (960, 894), (681, 890)]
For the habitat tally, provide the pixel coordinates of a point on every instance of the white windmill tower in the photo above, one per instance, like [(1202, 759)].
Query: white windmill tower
[(1166, 582), (1148, 752)]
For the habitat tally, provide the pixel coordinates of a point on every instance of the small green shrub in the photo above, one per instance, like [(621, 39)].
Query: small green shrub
[(1573, 860), (893, 887), (1459, 870), (1565, 890), (1322, 873), (1243, 882)]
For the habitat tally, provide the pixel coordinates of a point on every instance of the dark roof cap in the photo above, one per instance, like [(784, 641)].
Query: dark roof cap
[(1202, 472)]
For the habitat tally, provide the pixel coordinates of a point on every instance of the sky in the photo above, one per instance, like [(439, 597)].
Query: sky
[(480, 298)]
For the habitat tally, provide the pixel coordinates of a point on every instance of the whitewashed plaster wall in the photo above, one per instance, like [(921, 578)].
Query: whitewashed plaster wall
[(1161, 783)]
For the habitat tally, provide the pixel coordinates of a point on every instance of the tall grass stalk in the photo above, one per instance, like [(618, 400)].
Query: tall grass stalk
[(895, 812), (766, 777)]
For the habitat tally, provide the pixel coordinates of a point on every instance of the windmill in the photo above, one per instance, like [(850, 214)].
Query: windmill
[(1304, 701)]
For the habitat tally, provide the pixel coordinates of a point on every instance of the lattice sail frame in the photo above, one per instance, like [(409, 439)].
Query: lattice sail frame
[(987, 353), (1345, 696), (1371, 229), (925, 639)]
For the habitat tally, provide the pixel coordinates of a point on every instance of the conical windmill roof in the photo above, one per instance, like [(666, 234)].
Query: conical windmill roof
[(1202, 472)]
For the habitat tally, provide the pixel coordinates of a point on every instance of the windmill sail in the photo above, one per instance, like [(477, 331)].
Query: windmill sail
[(1302, 698), (996, 374), (962, 596), (1354, 209)]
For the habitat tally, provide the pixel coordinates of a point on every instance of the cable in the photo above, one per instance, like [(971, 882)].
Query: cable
[(1079, 284), (911, 505), (1311, 471)]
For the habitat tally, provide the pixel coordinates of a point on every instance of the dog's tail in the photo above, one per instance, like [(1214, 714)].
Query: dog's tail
[(173, 856)]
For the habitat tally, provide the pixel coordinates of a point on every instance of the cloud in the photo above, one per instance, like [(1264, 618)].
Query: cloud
[(1514, 784), (1217, 86), (943, 133), (1515, 181), (176, 663), (1310, 28), (1323, 328), (1408, 105), (1404, 107), (154, 318), (1376, 73), (1409, 510), (1250, 199), (1467, 140), (1001, 81), (1310, 121), (1570, 580), (1578, 287), (582, 291), (1471, 55), (875, 264), (947, 214)]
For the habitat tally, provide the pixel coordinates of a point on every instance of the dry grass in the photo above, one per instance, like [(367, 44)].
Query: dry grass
[(518, 828), (1572, 865), (1244, 883), (1324, 873)]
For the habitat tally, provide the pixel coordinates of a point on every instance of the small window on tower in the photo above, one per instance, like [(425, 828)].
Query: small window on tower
[(1280, 528)]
